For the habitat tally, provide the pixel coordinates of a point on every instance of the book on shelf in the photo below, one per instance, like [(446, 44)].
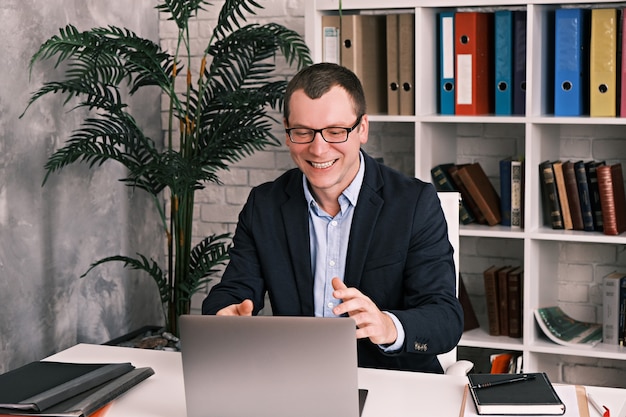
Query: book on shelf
[(613, 308), (466, 197), (550, 196), (594, 193), (612, 198), (482, 191), (443, 182), (565, 330), (517, 193), (66, 389), (490, 278), (515, 293), (519, 394), (582, 183), (505, 191), (506, 363), (559, 179), (571, 189), (503, 299)]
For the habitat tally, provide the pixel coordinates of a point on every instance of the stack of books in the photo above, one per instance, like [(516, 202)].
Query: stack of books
[(66, 389), (583, 195), (503, 295)]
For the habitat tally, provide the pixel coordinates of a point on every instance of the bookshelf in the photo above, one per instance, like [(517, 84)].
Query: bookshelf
[(548, 256)]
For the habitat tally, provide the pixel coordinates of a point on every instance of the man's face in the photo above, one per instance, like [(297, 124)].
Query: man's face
[(329, 167)]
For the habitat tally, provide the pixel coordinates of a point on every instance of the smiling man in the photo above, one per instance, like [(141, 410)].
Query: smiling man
[(343, 235)]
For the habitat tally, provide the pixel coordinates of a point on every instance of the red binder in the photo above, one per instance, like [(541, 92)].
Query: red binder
[(474, 63)]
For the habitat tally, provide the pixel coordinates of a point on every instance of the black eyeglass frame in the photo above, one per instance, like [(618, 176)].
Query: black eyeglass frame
[(316, 131)]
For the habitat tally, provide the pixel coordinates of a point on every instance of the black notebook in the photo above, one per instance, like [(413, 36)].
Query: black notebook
[(65, 389), (518, 394)]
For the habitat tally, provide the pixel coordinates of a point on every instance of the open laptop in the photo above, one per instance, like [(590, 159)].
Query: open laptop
[(268, 366)]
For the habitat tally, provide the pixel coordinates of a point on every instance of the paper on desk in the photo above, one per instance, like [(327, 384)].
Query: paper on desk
[(567, 393)]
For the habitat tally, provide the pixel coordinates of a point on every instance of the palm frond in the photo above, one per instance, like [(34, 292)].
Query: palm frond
[(205, 259), (233, 14), (142, 264), (181, 10), (112, 136)]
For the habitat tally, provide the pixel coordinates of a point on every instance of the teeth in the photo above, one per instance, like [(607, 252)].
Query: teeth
[(323, 165)]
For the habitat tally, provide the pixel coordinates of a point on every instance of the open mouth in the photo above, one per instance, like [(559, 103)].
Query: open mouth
[(322, 165)]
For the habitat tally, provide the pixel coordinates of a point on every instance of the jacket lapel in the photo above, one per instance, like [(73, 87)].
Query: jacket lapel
[(296, 223), (365, 217)]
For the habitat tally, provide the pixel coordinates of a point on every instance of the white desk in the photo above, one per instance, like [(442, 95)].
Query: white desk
[(391, 393)]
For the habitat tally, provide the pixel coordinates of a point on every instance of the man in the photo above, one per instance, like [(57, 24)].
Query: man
[(344, 235)]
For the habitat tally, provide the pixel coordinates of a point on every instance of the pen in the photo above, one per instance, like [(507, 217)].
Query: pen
[(504, 381), (604, 411)]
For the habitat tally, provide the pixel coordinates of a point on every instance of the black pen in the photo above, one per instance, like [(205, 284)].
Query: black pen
[(504, 381)]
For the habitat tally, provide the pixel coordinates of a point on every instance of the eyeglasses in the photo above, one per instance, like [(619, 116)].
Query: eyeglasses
[(329, 134)]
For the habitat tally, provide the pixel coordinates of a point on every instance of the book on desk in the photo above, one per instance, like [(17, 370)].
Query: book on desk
[(514, 394), (62, 389)]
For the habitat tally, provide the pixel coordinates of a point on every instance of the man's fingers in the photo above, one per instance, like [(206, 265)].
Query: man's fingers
[(245, 308), (242, 309)]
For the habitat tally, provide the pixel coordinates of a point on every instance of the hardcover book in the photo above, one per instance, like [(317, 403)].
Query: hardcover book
[(514, 394), (482, 191), (550, 194), (612, 198)]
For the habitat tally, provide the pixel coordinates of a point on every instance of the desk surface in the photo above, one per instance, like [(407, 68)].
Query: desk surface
[(391, 393)]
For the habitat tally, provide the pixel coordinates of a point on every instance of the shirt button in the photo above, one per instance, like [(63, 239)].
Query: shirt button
[(331, 263), (333, 223), (330, 305)]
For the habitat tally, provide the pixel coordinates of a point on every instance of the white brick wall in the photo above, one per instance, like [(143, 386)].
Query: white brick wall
[(581, 266)]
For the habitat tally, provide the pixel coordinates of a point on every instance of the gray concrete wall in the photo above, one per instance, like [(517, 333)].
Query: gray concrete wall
[(50, 235)]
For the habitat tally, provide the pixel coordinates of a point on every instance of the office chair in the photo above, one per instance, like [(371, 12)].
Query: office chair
[(450, 206)]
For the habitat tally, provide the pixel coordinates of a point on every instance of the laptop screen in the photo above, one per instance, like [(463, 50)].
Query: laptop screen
[(268, 366)]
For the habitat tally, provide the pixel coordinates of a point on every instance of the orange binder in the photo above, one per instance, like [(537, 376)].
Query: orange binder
[(474, 63), (603, 63), (363, 50)]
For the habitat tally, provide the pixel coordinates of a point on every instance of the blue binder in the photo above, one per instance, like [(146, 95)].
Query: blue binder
[(446, 63), (519, 62), (503, 53), (571, 51)]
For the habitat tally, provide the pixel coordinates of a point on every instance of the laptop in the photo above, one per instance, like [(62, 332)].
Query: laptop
[(269, 366)]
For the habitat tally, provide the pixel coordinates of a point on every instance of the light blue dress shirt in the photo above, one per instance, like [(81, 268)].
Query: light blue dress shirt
[(329, 246)]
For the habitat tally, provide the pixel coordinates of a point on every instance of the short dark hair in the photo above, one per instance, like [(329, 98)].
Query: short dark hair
[(317, 79)]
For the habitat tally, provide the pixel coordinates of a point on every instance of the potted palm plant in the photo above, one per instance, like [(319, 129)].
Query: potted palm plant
[(221, 114)]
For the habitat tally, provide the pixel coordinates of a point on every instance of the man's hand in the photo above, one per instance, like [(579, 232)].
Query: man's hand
[(371, 322), (242, 309)]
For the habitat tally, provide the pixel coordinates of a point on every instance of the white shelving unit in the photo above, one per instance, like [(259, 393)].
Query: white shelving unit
[(538, 135)]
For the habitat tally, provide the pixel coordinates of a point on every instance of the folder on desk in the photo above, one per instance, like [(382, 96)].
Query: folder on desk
[(473, 48), (446, 63), (363, 50), (603, 63), (519, 62), (503, 58), (331, 42), (570, 63)]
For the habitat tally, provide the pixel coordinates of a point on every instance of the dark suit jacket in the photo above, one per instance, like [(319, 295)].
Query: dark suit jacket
[(398, 255)]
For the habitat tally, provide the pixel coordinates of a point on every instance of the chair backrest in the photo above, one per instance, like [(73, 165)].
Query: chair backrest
[(450, 206)]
